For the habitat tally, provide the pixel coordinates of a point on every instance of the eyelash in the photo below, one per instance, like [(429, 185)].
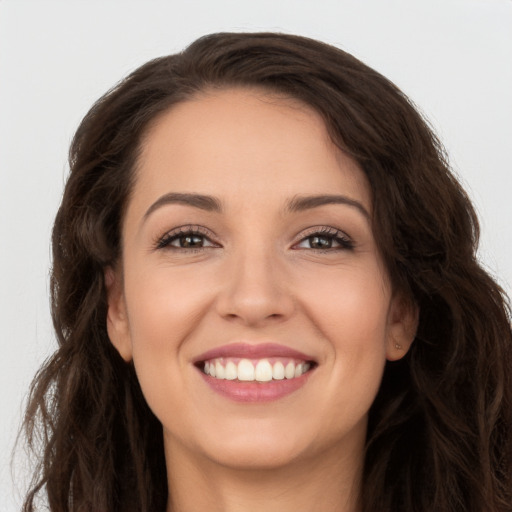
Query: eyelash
[(325, 232), (332, 234), (182, 232)]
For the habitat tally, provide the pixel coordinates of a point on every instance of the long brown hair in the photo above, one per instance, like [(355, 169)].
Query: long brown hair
[(440, 430)]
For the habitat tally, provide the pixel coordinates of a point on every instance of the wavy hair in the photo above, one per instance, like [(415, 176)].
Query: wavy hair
[(440, 430)]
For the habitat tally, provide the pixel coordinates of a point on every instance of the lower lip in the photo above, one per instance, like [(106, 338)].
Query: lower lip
[(255, 391)]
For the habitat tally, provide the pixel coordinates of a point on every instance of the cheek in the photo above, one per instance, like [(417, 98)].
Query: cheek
[(351, 314), (351, 309), (164, 308)]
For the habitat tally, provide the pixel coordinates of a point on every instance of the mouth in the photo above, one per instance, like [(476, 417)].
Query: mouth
[(255, 370), (255, 373)]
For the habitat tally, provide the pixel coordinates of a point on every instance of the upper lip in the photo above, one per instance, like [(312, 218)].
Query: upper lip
[(250, 351)]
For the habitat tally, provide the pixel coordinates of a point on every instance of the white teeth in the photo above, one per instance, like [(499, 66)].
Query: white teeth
[(289, 371), (260, 371), (263, 372), (231, 371), (278, 371), (220, 373), (245, 370)]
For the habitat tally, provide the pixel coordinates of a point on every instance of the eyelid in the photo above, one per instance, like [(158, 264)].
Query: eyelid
[(163, 241), (321, 229), (325, 231)]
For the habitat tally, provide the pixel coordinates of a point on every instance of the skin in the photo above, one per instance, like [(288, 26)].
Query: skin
[(257, 278)]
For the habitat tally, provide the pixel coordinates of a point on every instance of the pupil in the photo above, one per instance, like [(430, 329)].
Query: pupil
[(320, 242), (191, 241)]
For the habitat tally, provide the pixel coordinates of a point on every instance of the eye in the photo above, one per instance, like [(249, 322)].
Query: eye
[(185, 238), (190, 241), (325, 239)]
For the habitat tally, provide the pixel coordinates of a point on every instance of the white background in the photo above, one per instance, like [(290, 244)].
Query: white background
[(452, 57)]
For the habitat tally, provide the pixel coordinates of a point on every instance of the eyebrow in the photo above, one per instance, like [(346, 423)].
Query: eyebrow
[(208, 203), (296, 204), (301, 203)]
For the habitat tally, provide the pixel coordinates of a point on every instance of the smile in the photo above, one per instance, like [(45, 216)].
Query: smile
[(250, 373), (251, 370)]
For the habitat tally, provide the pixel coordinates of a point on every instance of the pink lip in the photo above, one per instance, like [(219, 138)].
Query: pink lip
[(251, 392), (248, 351)]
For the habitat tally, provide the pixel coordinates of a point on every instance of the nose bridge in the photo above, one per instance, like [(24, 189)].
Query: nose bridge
[(256, 288)]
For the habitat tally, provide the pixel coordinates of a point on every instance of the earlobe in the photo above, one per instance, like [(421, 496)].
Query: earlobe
[(403, 324), (117, 320)]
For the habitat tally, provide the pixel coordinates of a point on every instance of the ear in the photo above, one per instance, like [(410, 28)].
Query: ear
[(403, 323), (117, 319)]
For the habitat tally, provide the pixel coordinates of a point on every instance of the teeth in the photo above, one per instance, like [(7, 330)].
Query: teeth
[(220, 373), (278, 371), (245, 370), (261, 371), (231, 371), (289, 371)]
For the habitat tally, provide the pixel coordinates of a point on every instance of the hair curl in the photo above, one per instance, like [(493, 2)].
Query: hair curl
[(440, 430)]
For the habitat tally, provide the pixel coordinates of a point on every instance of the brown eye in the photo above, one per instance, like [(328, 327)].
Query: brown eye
[(320, 242), (332, 239), (185, 240), (188, 241)]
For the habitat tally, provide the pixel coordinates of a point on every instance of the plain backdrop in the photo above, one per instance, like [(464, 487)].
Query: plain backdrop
[(452, 57)]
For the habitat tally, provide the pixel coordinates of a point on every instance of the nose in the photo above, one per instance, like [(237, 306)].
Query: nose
[(255, 291)]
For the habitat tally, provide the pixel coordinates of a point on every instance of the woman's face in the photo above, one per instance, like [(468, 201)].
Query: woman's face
[(248, 253)]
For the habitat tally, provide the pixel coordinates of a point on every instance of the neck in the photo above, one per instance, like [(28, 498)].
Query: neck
[(329, 483)]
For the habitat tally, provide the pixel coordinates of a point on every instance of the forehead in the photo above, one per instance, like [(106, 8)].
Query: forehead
[(237, 143)]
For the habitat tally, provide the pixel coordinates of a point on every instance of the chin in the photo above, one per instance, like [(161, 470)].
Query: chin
[(269, 445), (258, 454)]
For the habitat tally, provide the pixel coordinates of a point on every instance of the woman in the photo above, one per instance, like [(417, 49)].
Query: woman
[(266, 297)]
